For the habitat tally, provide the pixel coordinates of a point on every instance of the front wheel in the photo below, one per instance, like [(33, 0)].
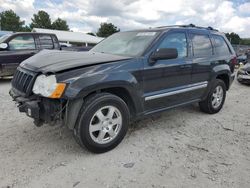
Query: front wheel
[(215, 99), (102, 122)]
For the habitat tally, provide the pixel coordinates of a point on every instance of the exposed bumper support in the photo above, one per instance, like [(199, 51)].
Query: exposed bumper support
[(42, 110)]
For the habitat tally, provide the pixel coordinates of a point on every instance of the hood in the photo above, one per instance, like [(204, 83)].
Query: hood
[(55, 60)]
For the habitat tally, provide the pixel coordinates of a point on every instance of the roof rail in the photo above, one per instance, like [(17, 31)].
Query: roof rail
[(190, 25)]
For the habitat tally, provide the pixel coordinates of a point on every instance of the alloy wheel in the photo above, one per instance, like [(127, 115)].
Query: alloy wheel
[(105, 124)]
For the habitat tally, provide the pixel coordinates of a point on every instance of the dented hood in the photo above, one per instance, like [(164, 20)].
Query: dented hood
[(55, 60)]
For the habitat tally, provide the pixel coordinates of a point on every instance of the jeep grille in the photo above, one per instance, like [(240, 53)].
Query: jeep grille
[(23, 81)]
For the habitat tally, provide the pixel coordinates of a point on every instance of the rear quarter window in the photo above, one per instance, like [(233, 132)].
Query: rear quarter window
[(201, 45), (46, 42), (220, 45)]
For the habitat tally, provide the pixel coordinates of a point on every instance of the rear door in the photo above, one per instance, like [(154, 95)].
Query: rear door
[(203, 58), (165, 81), (20, 47)]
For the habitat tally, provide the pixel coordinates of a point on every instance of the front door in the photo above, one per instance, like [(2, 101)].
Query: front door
[(166, 81)]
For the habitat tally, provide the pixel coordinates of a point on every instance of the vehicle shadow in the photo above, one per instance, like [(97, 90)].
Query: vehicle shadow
[(165, 118), (61, 138)]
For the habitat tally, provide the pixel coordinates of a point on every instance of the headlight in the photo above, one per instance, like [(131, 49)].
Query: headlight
[(47, 86)]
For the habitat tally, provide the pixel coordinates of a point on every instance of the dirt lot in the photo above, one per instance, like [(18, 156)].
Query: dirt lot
[(180, 148)]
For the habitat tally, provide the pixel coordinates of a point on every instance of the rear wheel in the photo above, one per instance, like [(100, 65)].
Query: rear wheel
[(102, 122), (215, 99)]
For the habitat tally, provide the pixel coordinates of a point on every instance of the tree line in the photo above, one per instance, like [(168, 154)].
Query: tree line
[(234, 38), (10, 21)]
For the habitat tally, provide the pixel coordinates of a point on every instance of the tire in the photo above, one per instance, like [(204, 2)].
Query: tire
[(208, 105), (102, 122)]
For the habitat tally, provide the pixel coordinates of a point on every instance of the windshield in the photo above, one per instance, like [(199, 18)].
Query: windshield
[(131, 43), (2, 38)]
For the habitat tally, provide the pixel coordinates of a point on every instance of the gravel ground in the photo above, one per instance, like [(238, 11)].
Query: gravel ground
[(179, 148)]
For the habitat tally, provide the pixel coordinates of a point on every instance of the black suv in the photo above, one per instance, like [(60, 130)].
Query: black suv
[(126, 77), (16, 47)]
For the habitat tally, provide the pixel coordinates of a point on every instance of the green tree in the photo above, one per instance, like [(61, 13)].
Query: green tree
[(26, 28), (10, 21), (90, 33), (106, 29), (41, 20), (245, 41), (60, 24), (234, 38)]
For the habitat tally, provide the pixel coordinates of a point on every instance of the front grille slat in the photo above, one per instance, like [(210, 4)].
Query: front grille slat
[(22, 81), (17, 76), (27, 83)]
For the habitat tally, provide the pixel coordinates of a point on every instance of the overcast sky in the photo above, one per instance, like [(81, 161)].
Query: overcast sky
[(86, 15)]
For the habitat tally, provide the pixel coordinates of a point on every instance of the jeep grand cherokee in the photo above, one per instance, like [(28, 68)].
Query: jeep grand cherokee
[(127, 76)]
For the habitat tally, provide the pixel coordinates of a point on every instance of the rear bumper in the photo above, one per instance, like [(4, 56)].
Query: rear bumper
[(42, 110)]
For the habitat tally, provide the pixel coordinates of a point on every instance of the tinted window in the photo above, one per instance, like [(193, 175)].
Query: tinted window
[(46, 42), (24, 42), (201, 45), (221, 47), (176, 40)]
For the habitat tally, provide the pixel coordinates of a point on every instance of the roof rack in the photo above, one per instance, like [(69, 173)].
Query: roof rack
[(190, 25)]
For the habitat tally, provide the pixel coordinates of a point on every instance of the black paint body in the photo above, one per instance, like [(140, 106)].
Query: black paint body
[(132, 78)]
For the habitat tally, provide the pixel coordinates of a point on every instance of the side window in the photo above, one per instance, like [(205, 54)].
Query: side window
[(221, 47), (178, 41), (46, 42), (201, 45), (25, 42)]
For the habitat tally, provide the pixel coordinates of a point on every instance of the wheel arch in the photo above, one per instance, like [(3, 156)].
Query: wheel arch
[(73, 106), (223, 73), (225, 78)]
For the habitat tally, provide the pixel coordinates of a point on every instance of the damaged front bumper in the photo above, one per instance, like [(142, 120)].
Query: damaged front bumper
[(42, 110)]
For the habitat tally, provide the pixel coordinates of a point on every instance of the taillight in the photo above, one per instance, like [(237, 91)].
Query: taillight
[(234, 61)]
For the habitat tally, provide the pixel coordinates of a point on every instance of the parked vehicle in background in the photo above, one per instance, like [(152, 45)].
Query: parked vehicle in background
[(243, 74), (125, 77), (76, 48), (70, 47), (242, 59), (16, 47), (2, 33)]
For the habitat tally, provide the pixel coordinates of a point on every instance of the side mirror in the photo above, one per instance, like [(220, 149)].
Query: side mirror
[(163, 53), (3, 46)]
